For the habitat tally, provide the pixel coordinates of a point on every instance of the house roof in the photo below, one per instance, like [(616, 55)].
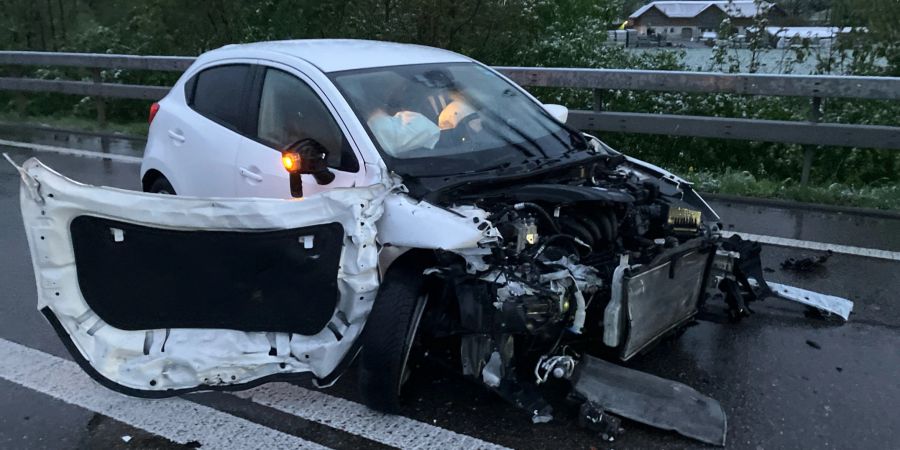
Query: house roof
[(686, 10)]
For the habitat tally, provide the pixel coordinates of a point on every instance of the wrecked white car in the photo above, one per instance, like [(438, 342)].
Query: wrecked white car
[(515, 249)]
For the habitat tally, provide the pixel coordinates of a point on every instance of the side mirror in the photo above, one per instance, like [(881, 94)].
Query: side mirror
[(560, 112), (307, 156)]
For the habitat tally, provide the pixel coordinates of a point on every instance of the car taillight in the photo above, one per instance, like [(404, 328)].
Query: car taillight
[(154, 108)]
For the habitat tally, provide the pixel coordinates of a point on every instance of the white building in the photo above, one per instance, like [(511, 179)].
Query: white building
[(687, 20)]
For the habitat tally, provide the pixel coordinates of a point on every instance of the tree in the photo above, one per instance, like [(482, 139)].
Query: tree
[(873, 46)]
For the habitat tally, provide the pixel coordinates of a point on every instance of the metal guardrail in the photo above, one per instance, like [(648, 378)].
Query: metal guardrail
[(86, 88), (789, 132), (96, 60), (809, 133), (823, 86)]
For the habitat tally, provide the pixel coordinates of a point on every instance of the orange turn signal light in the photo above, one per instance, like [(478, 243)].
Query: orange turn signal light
[(291, 161)]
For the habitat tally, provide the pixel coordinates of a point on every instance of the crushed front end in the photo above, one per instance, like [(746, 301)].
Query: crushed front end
[(597, 260)]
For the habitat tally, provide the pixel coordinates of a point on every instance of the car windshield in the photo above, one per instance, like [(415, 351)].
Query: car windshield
[(435, 119)]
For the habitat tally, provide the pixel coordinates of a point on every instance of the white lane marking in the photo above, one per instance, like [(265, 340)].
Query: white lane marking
[(771, 240), (396, 431), (821, 246), (173, 418), (71, 151)]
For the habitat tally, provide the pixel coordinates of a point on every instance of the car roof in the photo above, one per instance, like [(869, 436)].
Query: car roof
[(333, 55)]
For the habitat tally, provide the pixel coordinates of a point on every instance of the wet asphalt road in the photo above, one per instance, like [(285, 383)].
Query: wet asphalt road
[(784, 379)]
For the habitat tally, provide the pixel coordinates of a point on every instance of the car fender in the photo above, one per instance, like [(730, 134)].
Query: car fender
[(419, 224)]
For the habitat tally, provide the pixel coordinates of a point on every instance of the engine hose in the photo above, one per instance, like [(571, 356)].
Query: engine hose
[(575, 228), (596, 234), (614, 223), (605, 228), (542, 212), (554, 238), (602, 221)]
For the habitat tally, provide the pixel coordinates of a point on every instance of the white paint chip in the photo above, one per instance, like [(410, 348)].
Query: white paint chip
[(173, 418)]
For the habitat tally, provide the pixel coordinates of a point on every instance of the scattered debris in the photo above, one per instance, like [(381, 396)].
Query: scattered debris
[(813, 344), (806, 264), (126, 438), (839, 369), (592, 417)]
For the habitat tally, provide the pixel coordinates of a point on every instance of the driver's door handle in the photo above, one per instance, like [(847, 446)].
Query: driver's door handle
[(251, 175)]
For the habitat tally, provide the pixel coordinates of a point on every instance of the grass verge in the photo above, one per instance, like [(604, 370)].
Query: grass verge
[(879, 196)]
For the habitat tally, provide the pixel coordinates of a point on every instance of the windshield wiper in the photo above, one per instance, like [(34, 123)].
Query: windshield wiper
[(497, 118), (575, 135)]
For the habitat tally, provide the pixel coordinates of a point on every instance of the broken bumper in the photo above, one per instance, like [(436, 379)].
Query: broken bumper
[(649, 301), (646, 398), (657, 298)]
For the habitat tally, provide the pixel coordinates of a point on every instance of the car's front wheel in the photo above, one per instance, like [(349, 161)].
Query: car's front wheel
[(389, 335)]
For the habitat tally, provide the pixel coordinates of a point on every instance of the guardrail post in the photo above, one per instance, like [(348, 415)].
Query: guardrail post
[(97, 75), (19, 97), (598, 100), (815, 113), (21, 104)]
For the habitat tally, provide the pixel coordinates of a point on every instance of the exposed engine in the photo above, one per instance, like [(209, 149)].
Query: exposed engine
[(552, 282), (596, 258)]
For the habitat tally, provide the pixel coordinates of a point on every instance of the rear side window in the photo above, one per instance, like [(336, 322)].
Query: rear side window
[(217, 93), (289, 110)]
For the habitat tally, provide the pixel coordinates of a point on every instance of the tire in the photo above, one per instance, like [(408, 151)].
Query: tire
[(389, 334), (161, 186)]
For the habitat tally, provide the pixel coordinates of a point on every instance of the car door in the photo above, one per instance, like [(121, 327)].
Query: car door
[(286, 107), (205, 136), (156, 295)]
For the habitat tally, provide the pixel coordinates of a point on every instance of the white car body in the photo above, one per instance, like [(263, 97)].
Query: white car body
[(200, 157), (187, 148)]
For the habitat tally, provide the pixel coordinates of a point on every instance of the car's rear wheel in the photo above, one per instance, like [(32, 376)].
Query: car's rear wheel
[(161, 186), (390, 334)]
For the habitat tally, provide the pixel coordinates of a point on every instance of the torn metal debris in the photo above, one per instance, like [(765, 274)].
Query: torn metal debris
[(805, 264), (649, 399)]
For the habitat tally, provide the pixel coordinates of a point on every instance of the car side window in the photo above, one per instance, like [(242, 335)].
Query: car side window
[(289, 110), (217, 93)]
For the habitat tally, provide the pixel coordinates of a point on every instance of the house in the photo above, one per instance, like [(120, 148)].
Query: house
[(688, 20)]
